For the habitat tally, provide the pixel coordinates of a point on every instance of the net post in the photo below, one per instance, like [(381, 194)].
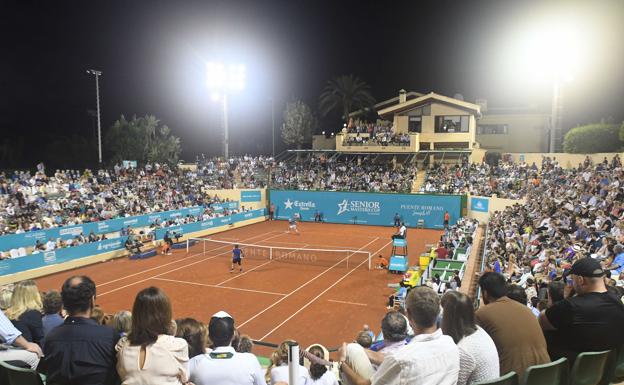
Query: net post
[(187, 246), (369, 260), (204, 243), (270, 253), (293, 363)]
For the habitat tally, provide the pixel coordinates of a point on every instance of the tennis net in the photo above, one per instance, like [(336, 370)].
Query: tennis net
[(278, 254)]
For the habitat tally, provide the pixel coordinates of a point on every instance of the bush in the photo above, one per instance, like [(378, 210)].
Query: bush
[(592, 138)]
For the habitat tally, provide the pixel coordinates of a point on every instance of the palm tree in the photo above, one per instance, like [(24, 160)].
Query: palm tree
[(346, 92)]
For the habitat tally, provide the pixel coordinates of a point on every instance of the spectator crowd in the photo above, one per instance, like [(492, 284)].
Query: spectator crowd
[(30, 202), (319, 173)]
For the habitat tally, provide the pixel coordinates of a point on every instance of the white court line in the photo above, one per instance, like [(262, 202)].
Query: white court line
[(304, 285), (252, 269), (318, 244), (167, 264), (178, 268), (219, 287), (347, 302), (317, 297)]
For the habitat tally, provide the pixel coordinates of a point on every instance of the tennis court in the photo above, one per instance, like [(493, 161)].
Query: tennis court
[(286, 289)]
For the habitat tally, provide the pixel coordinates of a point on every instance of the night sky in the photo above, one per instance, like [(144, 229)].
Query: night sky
[(153, 54)]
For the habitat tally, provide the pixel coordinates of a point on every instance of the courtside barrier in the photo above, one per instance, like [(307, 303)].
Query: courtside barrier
[(28, 239), (367, 208), (33, 261)]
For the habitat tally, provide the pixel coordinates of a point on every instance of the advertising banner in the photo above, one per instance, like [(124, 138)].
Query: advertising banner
[(14, 241), (479, 204), (367, 208), (33, 261)]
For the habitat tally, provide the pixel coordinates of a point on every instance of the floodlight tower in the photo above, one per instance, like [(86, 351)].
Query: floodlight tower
[(97, 75), (221, 80)]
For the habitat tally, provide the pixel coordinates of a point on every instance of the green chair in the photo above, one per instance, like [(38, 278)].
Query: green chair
[(589, 368), (264, 361), (18, 376), (618, 375), (510, 378), (554, 373)]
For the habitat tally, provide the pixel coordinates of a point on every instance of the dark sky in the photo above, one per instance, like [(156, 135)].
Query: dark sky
[(153, 53)]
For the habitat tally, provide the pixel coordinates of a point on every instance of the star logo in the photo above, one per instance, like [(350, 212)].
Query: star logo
[(342, 207), (288, 204)]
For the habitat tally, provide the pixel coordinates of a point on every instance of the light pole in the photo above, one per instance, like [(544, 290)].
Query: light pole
[(273, 125), (221, 80), (555, 118), (97, 75)]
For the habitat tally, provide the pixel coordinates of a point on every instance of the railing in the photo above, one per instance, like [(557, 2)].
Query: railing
[(485, 244)]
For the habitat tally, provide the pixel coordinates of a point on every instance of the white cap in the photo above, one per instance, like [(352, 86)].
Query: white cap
[(222, 314)]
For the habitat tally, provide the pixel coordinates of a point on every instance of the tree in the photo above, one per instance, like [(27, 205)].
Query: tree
[(346, 93), (299, 123), (142, 139), (592, 138)]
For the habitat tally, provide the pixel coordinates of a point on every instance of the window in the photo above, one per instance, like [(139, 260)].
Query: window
[(451, 124), (492, 129), (415, 124)]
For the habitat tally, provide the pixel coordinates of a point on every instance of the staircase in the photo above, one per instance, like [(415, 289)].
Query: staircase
[(419, 180), (473, 267)]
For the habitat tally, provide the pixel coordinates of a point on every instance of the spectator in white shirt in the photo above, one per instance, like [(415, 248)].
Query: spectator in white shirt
[(50, 245), (430, 358), (223, 365), (478, 354), (278, 369), (29, 353)]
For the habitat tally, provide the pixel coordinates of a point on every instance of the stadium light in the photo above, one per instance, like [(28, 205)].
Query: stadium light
[(97, 75), (220, 80), (551, 49)]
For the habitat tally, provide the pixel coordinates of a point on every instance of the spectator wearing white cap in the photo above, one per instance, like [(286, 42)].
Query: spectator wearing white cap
[(223, 365)]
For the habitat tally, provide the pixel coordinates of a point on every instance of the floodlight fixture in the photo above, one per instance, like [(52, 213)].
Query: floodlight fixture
[(220, 80)]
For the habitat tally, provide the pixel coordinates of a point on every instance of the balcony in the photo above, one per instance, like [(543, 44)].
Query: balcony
[(348, 142)]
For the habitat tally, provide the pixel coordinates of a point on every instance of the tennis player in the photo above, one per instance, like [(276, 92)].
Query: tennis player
[(292, 225), (237, 257)]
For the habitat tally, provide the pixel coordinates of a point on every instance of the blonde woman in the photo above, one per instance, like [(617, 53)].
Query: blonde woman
[(278, 369), (25, 311)]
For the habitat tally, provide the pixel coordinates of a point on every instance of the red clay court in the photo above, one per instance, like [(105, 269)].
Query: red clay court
[(309, 300)]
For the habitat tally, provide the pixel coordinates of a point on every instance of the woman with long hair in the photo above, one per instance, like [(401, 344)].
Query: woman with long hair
[(319, 375), (149, 355), (195, 333), (277, 371), (25, 311), (480, 361)]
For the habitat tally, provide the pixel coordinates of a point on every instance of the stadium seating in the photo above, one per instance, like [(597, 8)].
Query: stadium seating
[(554, 373), (12, 375), (510, 378), (589, 368)]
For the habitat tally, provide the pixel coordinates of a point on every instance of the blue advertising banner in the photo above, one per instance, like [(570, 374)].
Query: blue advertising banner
[(479, 204), (33, 261), (14, 241), (366, 208), (251, 196)]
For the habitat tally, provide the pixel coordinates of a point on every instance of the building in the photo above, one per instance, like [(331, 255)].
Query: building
[(516, 129), (432, 122)]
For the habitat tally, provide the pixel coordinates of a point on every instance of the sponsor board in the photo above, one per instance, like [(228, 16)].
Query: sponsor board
[(366, 208)]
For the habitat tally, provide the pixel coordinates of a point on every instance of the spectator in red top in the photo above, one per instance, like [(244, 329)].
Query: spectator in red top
[(441, 251)]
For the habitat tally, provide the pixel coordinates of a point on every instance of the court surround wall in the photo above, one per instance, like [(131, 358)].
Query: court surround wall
[(88, 260)]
